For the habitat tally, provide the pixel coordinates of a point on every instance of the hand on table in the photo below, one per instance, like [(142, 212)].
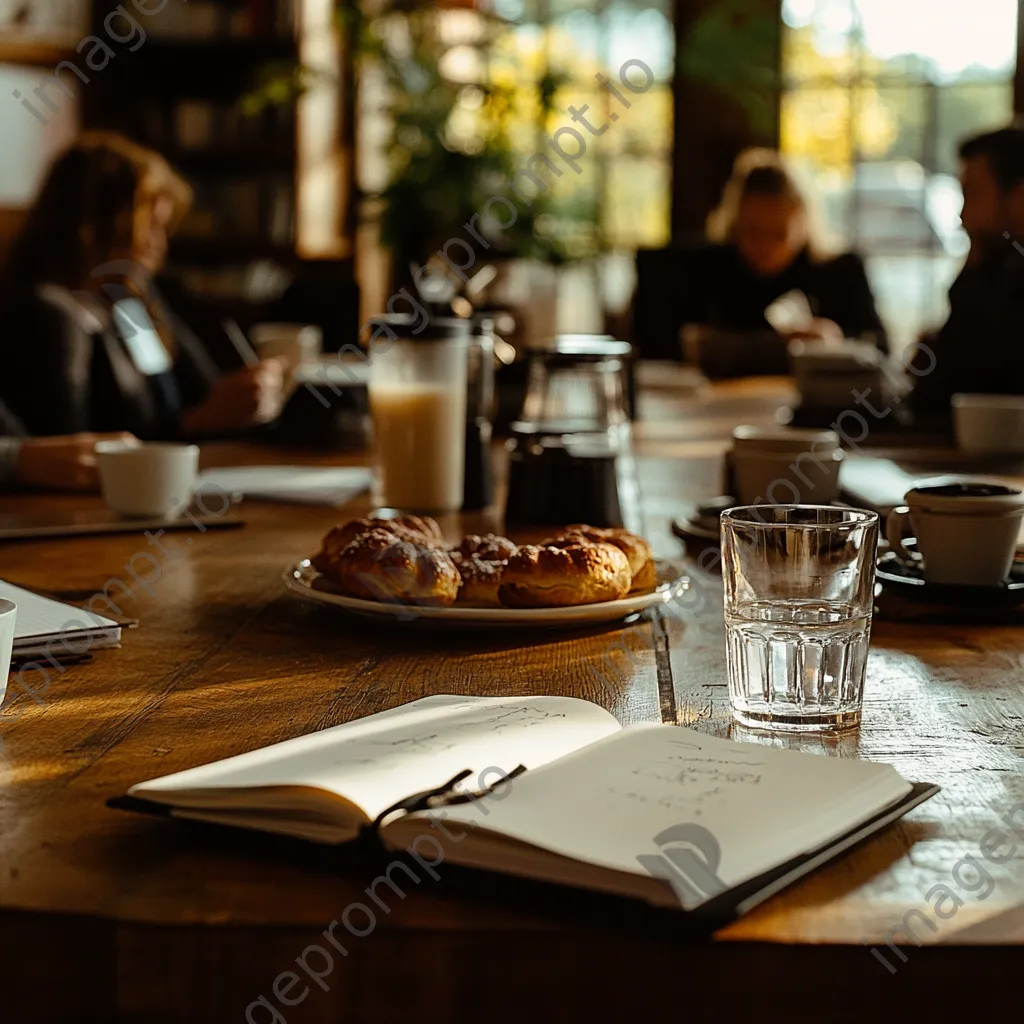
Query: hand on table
[(62, 463), (240, 399), (819, 330)]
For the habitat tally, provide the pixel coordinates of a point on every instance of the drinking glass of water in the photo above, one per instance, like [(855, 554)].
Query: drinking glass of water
[(799, 590)]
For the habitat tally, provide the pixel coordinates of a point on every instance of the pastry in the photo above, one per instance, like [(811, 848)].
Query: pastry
[(570, 574), (646, 578), (378, 566), (401, 560), (490, 547), (635, 548), (419, 530), (481, 561), (480, 581)]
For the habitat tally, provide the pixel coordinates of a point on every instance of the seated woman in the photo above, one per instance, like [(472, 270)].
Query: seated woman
[(88, 344), (763, 246)]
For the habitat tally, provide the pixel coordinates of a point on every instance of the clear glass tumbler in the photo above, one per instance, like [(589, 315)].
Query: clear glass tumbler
[(799, 591)]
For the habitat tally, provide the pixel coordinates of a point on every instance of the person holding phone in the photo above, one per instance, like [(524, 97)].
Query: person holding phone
[(89, 343), (764, 242)]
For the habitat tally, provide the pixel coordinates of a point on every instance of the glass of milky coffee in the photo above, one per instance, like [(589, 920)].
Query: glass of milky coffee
[(417, 390)]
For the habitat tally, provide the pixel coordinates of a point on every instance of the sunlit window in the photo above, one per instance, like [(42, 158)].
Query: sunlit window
[(548, 58), (877, 94)]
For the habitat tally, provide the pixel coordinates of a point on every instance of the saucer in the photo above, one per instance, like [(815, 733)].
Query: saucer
[(690, 527), (911, 584), (704, 521)]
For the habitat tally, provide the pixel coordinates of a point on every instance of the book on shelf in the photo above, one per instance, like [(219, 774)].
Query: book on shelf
[(554, 789), (202, 20), (204, 125), (195, 124)]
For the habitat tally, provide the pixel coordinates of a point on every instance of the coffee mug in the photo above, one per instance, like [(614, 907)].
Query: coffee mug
[(147, 480), (8, 615), (784, 466), (966, 531)]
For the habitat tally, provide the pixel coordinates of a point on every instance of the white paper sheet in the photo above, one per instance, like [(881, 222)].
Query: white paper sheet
[(304, 485)]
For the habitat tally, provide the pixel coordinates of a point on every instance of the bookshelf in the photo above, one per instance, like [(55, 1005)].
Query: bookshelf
[(271, 184)]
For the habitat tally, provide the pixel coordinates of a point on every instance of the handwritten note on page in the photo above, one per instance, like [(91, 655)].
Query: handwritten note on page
[(606, 804), (379, 760)]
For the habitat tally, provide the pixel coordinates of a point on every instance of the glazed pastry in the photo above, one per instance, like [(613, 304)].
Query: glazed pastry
[(481, 561), (423, 531), (570, 574), (635, 548), (647, 576), (480, 581), (378, 566), (490, 547)]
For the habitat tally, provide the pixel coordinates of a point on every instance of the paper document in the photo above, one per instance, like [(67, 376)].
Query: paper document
[(305, 485)]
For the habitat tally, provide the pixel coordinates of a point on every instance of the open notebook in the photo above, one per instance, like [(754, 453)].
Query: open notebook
[(654, 812)]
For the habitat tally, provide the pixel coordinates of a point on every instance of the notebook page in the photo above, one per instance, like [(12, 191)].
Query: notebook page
[(379, 760), (42, 617), (732, 810)]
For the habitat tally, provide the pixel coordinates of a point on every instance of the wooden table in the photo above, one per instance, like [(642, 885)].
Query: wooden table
[(107, 916)]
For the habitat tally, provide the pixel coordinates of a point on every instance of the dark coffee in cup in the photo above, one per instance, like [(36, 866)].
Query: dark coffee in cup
[(968, 490)]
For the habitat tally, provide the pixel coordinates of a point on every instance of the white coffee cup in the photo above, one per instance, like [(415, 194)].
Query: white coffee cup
[(966, 531), (147, 480), (781, 466), (293, 344), (989, 423), (8, 616)]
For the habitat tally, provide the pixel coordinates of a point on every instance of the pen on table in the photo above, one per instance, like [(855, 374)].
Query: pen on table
[(242, 344), (20, 661)]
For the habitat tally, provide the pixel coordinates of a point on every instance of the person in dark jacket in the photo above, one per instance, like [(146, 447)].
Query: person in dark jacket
[(981, 347), (89, 345), (763, 244)]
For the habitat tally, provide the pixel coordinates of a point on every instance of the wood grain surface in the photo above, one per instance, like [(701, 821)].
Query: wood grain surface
[(110, 916)]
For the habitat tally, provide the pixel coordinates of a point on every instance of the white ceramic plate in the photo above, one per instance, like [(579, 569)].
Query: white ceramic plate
[(304, 580)]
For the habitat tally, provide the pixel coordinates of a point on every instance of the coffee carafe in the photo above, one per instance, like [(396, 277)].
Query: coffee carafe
[(570, 451)]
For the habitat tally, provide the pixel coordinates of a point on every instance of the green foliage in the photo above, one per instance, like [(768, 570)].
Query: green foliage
[(451, 146), (735, 50), (450, 149), (278, 83)]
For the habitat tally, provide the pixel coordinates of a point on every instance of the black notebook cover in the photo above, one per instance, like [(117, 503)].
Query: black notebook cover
[(742, 898), (709, 916)]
